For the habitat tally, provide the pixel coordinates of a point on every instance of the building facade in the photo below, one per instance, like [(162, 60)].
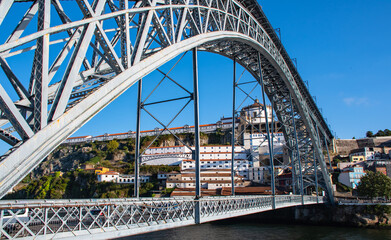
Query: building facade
[(121, 178), (209, 180), (351, 177)]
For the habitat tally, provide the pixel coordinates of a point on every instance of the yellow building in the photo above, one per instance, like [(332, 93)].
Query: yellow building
[(357, 158), (101, 170)]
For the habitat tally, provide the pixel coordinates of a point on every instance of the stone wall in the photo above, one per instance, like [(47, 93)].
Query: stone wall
[(344, 146)]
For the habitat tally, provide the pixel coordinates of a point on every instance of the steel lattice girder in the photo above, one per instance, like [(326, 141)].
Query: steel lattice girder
[(158, 32), (108, 218)]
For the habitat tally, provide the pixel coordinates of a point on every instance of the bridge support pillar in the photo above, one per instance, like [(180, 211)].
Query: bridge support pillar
[(233, 131), (137, 150), (267, 132), (328, 154), (196, 151), (316, 176), (301, 185)]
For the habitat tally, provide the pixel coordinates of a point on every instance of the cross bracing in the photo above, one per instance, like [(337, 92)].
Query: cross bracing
[(114, 218), (107, 46)]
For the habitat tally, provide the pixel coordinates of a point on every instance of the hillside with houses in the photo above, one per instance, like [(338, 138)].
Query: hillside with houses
[(103, 166)]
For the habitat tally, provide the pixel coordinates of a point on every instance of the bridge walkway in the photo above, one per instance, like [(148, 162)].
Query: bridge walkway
[(113, 218)]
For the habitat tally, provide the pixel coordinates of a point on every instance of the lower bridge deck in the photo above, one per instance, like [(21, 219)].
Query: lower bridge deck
[(112, 218)]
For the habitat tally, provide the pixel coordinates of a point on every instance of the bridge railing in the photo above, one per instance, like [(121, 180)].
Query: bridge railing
[(75, 218), (211, 207), (67, 218)]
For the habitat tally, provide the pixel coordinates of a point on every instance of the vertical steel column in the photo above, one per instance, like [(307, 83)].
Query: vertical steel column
[(316, 175), (196, 151), (233, 131), (293, 173), (298, 151), (328, 154), (46, 222), (80, 217), (41, 58), (272, 130), (137, 152), (268, 132)]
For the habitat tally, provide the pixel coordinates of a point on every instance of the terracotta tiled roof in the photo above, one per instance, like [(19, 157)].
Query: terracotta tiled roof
[(213, 160), (89, 136), (191, 192), (248, 190), (109, 173)]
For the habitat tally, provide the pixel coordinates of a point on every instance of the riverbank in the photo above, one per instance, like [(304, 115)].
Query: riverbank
[(325, 215)]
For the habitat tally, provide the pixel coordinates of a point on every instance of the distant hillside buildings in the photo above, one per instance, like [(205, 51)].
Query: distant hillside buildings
[(367, 154), (251, 158)]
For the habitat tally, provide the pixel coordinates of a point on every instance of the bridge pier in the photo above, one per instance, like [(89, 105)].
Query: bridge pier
[(137, 150), (196, 151), (233, 130), (273, 181), (301, 185)]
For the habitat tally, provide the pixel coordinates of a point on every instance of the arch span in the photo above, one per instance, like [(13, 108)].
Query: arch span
[(224, 27)]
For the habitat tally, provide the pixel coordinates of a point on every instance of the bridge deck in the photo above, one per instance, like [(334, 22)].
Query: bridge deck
[(112, 218)]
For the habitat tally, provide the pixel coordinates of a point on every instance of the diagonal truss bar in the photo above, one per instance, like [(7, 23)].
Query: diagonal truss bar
[(166, 126), (13, 115), (5, 6), (63, 93)]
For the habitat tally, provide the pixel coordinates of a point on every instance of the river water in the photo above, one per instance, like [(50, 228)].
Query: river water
[(230, 230)]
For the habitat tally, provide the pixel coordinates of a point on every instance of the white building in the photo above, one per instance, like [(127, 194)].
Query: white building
[(108, 176), (120, 178), (351, 177), (263, 174), (185, 150), (241, 166), (209, 180), (131, 178), (78, 139), (166, 150), (214, 157), (367, 153), (255, 113)]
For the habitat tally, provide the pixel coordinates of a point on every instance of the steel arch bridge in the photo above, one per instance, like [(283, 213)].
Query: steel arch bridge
[(103, 47)]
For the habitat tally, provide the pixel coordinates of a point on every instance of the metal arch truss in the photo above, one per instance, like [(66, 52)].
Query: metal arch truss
[(114, 218), (82, 64)]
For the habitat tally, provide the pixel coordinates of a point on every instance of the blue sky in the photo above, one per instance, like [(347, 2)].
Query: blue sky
[(343, 51)]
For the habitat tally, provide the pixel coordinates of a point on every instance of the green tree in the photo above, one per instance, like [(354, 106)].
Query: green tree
[(380, 133), (131, 144), (375, 184), (387, 132), (112, 146), (369, 134)]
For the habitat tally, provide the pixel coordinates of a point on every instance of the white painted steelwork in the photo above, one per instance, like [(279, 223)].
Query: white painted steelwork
[(50, 106), (112, 218)]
